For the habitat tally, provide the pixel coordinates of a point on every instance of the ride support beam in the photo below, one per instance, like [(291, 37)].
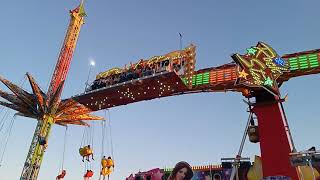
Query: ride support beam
[(37, 148), (275, 138), (66, 53)]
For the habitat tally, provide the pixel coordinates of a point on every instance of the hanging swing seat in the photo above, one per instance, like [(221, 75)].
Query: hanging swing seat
[(104, 162), (62, 175), (85, 151), (88, 174), (253, 133), (106, 166), (110, 162), (42, 141), (106, 171)]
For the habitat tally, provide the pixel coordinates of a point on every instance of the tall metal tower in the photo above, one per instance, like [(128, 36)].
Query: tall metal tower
[(39, 143), (48, 108)]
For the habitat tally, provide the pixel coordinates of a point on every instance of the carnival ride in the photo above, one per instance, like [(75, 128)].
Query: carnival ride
[(48, 108), (257, 74)]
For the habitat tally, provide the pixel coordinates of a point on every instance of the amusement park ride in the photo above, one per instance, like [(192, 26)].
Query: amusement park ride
[(257, 74)]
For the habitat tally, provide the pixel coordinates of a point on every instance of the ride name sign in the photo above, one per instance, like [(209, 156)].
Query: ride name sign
[(260, 67)]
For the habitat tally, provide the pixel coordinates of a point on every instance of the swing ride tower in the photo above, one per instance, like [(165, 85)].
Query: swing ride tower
[(48, 108), (49, 105)]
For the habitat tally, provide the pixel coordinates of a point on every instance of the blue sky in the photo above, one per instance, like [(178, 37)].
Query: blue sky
[(198, 128)]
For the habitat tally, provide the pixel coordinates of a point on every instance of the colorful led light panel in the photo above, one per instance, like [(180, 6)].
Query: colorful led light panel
[(304, 62), (213, 77)]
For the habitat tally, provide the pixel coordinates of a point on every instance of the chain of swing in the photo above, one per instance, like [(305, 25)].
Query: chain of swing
[(7, 126), (107, 163), (86, 146), (61, 170)]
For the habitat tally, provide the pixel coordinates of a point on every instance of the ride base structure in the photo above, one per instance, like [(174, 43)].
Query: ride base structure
[(257, 74)]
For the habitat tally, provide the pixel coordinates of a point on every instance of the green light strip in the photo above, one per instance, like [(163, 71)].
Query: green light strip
[(314, 63), (193, 80), (206, 77), (293, 63), (304, 66), (304, 62), (184, 81), (199, 77), (313, 60), (313, 66)]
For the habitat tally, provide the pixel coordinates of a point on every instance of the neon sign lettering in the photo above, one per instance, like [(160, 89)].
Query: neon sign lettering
[(260, 67)]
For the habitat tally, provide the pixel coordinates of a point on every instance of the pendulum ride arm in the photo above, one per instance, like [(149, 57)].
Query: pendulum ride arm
[(40, 138)]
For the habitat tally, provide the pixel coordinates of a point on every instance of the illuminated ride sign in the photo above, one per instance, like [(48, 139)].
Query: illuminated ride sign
[(260, 67)]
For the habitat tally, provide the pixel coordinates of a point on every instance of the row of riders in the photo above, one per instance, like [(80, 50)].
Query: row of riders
[(141, 69)]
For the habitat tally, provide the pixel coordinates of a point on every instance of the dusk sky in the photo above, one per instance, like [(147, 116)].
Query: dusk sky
[(197, 128)]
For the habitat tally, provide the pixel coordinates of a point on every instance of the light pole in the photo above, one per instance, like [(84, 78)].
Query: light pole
[(92, 63)]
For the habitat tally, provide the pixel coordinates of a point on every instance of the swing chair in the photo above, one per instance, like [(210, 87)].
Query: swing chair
[(253, 132), (62, 171), (107, 167), (86, 146), (88, 175), (86, 150), (107, 164), (61, 175)]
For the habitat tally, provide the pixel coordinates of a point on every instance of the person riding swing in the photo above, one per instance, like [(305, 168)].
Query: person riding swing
[(62, 175), (86, 152), (107, 166)]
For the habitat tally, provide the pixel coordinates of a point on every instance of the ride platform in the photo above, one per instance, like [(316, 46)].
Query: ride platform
[(158, 85)]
